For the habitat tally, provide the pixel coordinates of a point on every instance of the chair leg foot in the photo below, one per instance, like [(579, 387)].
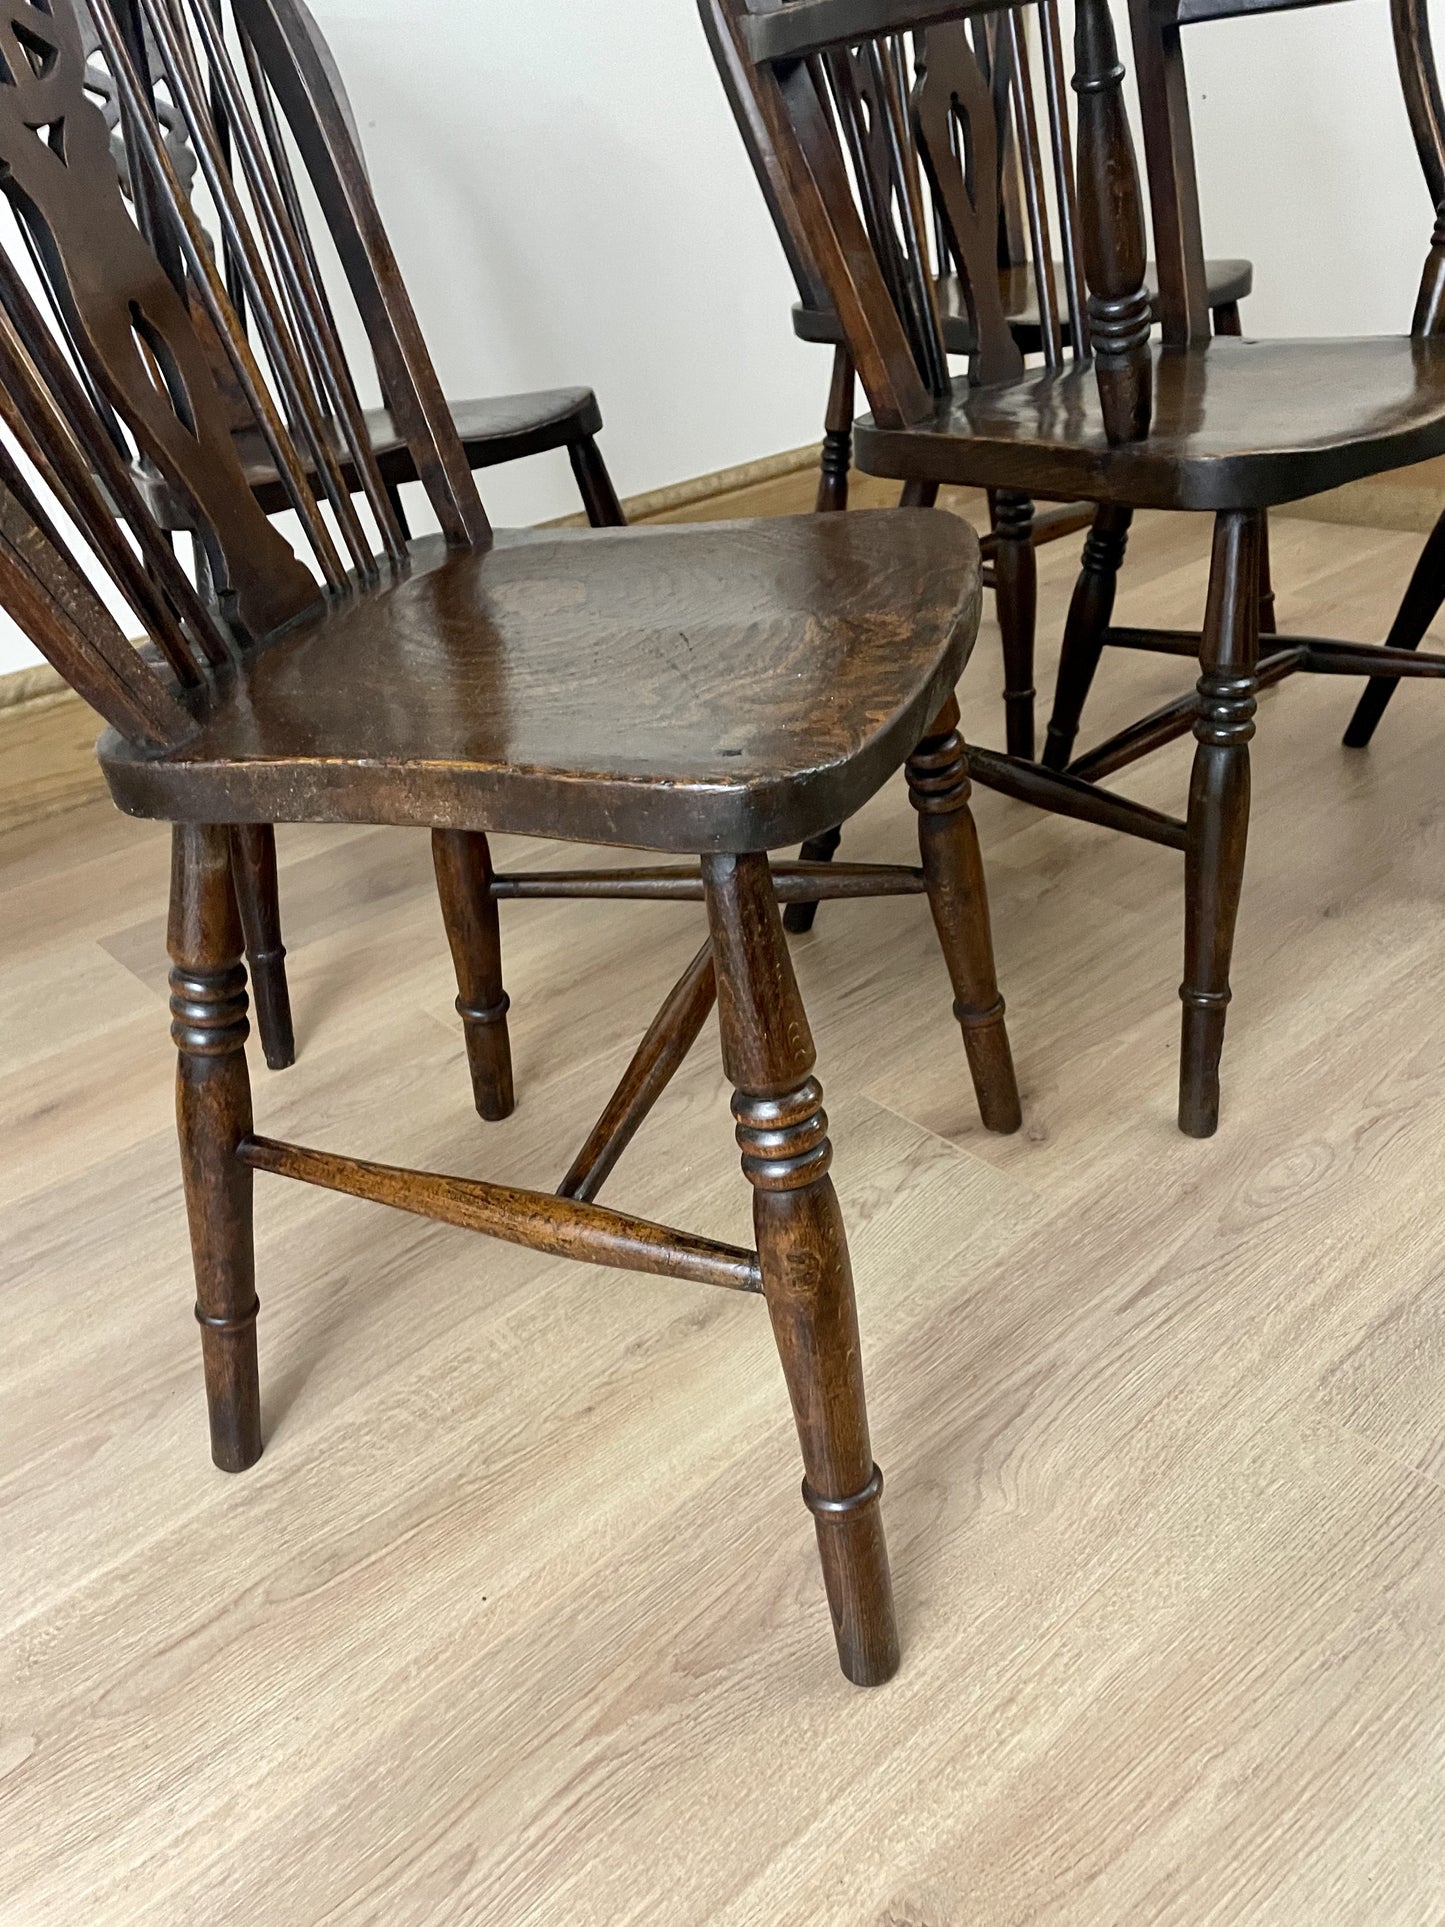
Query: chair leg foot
[(938, 788), (798, 918), (213, 1116), (803, 1253), (1218, 824), (254, 856), (463, 865)]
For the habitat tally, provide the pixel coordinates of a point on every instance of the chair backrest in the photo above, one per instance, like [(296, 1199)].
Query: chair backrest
[(122, 406), (1169, 148), (840, 139)]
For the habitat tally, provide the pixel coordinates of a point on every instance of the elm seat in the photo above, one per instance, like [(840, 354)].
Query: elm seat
[(1236, 424), (1228, 282), (696, 688), (500, 428)]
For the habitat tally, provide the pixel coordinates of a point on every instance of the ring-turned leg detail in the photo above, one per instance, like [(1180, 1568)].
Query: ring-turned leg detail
[(1218, 824), (782, 1132), (939, 789), (463, 865)]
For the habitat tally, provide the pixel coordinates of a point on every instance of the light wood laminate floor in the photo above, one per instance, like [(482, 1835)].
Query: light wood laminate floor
[(519, 1619)]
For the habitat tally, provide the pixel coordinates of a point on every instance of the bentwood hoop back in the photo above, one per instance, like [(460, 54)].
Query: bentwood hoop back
[(757, 681)]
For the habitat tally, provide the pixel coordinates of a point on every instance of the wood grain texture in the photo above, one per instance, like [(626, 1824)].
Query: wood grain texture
[(512, 1619)]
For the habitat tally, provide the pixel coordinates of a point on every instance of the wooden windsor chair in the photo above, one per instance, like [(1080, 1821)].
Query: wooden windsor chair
[(998, 50), (1174, 197), (702, 692), (1222, 425), (983, 61), (492, 430)]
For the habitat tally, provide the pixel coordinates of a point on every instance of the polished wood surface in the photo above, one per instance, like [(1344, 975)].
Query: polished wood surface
[(515, 1619), (1240, 423), (714, 687), (707, 690)]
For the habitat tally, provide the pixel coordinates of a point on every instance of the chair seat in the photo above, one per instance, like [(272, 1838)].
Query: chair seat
[(697, 688), (501, 428), (1236, 424), (1227, 281)]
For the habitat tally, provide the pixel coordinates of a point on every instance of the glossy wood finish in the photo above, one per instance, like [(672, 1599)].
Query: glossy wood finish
[(782, 1132), (708, 690), (743, 705), (502, 429)]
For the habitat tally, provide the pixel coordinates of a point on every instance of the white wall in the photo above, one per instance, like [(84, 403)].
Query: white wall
[(571, 203)]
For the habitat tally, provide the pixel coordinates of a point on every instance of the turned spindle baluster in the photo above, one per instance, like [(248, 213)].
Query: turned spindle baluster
[(1112, 219), (213, 1116), (1016, 579), (1218, 811)]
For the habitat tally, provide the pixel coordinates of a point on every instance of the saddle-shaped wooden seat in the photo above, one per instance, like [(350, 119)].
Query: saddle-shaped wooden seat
[(704, 687)]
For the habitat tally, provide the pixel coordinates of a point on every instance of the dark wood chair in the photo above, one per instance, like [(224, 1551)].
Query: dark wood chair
[(493, 430), (1219, 425), (984, 62), (703, 692)]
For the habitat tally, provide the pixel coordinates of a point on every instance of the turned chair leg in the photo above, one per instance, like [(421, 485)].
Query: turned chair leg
[(1090, 613), (213, 1116), (463, 865), (1016, 597), (594, 485), (837, 454), (1418, 609), (938, 788), (1218, 825), (782, 1131), (254, 857)]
